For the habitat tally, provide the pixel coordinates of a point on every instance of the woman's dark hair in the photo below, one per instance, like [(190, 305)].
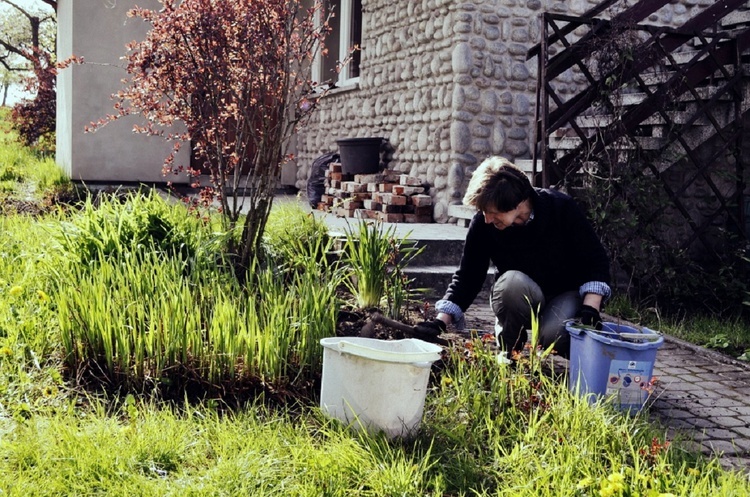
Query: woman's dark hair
[(498, 183)]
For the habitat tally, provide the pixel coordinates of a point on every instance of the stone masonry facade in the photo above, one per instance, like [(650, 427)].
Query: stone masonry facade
[(446, 84)]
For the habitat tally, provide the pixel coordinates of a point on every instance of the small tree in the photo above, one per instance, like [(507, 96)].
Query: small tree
[(236, 74), (34, 119), (27, 45)]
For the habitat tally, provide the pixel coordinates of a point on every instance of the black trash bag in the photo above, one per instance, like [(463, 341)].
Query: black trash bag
[(316, 183)]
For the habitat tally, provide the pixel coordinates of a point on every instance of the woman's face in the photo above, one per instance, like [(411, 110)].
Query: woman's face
[(501, 220)]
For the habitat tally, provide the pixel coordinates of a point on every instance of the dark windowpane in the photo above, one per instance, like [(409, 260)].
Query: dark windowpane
[(356, 37)]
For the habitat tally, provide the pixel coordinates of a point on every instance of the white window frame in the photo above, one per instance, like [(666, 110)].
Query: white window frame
[(345, 22)]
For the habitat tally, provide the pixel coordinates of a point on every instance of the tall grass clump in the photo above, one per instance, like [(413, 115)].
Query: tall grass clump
[(377, 257), (118, 225), (294, 235), (150, 301)]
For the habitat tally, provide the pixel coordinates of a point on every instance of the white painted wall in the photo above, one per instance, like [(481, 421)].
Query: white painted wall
[(98, 30)]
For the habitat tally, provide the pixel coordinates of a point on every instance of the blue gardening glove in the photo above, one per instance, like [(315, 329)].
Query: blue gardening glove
[(590, 317)]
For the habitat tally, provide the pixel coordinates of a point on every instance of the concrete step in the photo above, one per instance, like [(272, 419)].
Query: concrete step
[(437, 252), (462, 214), (571, 143), (736, 19), (633, 98), (598, 121)]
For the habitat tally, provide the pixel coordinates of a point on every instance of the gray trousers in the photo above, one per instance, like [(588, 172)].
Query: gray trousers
[(515, 297)]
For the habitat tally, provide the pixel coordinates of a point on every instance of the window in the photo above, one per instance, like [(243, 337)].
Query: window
[(346, 33)]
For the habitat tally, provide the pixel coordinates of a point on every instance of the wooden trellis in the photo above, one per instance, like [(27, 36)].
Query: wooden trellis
[(684, 87)]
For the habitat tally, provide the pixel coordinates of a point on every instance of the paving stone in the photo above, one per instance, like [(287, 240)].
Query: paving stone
[(719, 402), (711, 376), (673, 370), (678, 384), (728, 421), (742, 443), (700, 422), (678, 414), (736, 384), (743, 410)]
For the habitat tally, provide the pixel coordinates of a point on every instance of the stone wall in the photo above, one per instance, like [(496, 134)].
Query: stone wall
[(447, 84)]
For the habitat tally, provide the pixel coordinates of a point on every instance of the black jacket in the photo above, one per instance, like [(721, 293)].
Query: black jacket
[(558, 249)]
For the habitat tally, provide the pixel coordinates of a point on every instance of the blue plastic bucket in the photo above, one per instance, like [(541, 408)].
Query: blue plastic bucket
[(617, 361)]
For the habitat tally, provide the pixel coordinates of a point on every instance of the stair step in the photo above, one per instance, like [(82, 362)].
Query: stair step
[(704, 93), (438, 252), (736, 18), (597, 121), (656, 78), (571, 143), (527, 166)]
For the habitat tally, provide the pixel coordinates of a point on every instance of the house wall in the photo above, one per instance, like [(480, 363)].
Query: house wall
[(448, 84), (98, 31)]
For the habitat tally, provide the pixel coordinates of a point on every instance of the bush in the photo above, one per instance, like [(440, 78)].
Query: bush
[(34, 119)]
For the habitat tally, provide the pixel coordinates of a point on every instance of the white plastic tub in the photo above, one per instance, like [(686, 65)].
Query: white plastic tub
[(376, 385)]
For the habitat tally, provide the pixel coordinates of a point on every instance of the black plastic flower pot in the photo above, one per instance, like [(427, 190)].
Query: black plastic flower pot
[(360, 155)]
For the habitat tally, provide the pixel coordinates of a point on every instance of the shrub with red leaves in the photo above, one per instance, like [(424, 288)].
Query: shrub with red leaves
[(34, 119), (235, 75)]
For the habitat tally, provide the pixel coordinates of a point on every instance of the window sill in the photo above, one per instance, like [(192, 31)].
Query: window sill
[(336, 90)]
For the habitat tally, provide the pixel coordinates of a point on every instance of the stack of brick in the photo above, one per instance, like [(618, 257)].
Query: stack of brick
[(388, 196)]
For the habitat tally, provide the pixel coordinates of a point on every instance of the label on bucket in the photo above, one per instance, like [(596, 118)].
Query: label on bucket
[(628, 380)]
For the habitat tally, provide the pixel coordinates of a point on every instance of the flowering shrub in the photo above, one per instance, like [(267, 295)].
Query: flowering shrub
[(34, 119)]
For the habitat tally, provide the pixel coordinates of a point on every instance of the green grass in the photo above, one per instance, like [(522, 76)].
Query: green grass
[(15, 173), (487, 430)]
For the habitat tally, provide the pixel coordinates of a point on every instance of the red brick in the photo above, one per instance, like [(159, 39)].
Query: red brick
[(361, 196), (398, 189), (392, 208), (335, 183), (398, 200), (368, 178), (377, 197), (423, 210), (371, 204), (413, 190), (334, 167), (367, 214), (341, 212), (386, 187), (407, 180), (353, 187), (420, 200), (352, 204), (336, 176), (390, 218)]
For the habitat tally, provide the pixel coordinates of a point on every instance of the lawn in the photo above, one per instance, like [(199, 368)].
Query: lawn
[(133, 363)]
